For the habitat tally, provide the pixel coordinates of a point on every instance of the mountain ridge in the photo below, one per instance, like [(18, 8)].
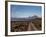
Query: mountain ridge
[(25, 19)]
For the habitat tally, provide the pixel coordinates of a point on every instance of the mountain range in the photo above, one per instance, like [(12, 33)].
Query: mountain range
[(25, 19)]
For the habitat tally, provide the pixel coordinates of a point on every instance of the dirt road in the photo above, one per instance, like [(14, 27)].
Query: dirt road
[(30, 26)]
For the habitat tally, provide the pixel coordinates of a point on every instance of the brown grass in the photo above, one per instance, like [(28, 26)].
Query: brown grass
[(17, 26)]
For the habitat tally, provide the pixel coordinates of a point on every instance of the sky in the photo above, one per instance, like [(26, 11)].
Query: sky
[(20, 11)]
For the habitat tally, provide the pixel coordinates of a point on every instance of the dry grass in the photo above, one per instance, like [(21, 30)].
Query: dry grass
[(18, 26)]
